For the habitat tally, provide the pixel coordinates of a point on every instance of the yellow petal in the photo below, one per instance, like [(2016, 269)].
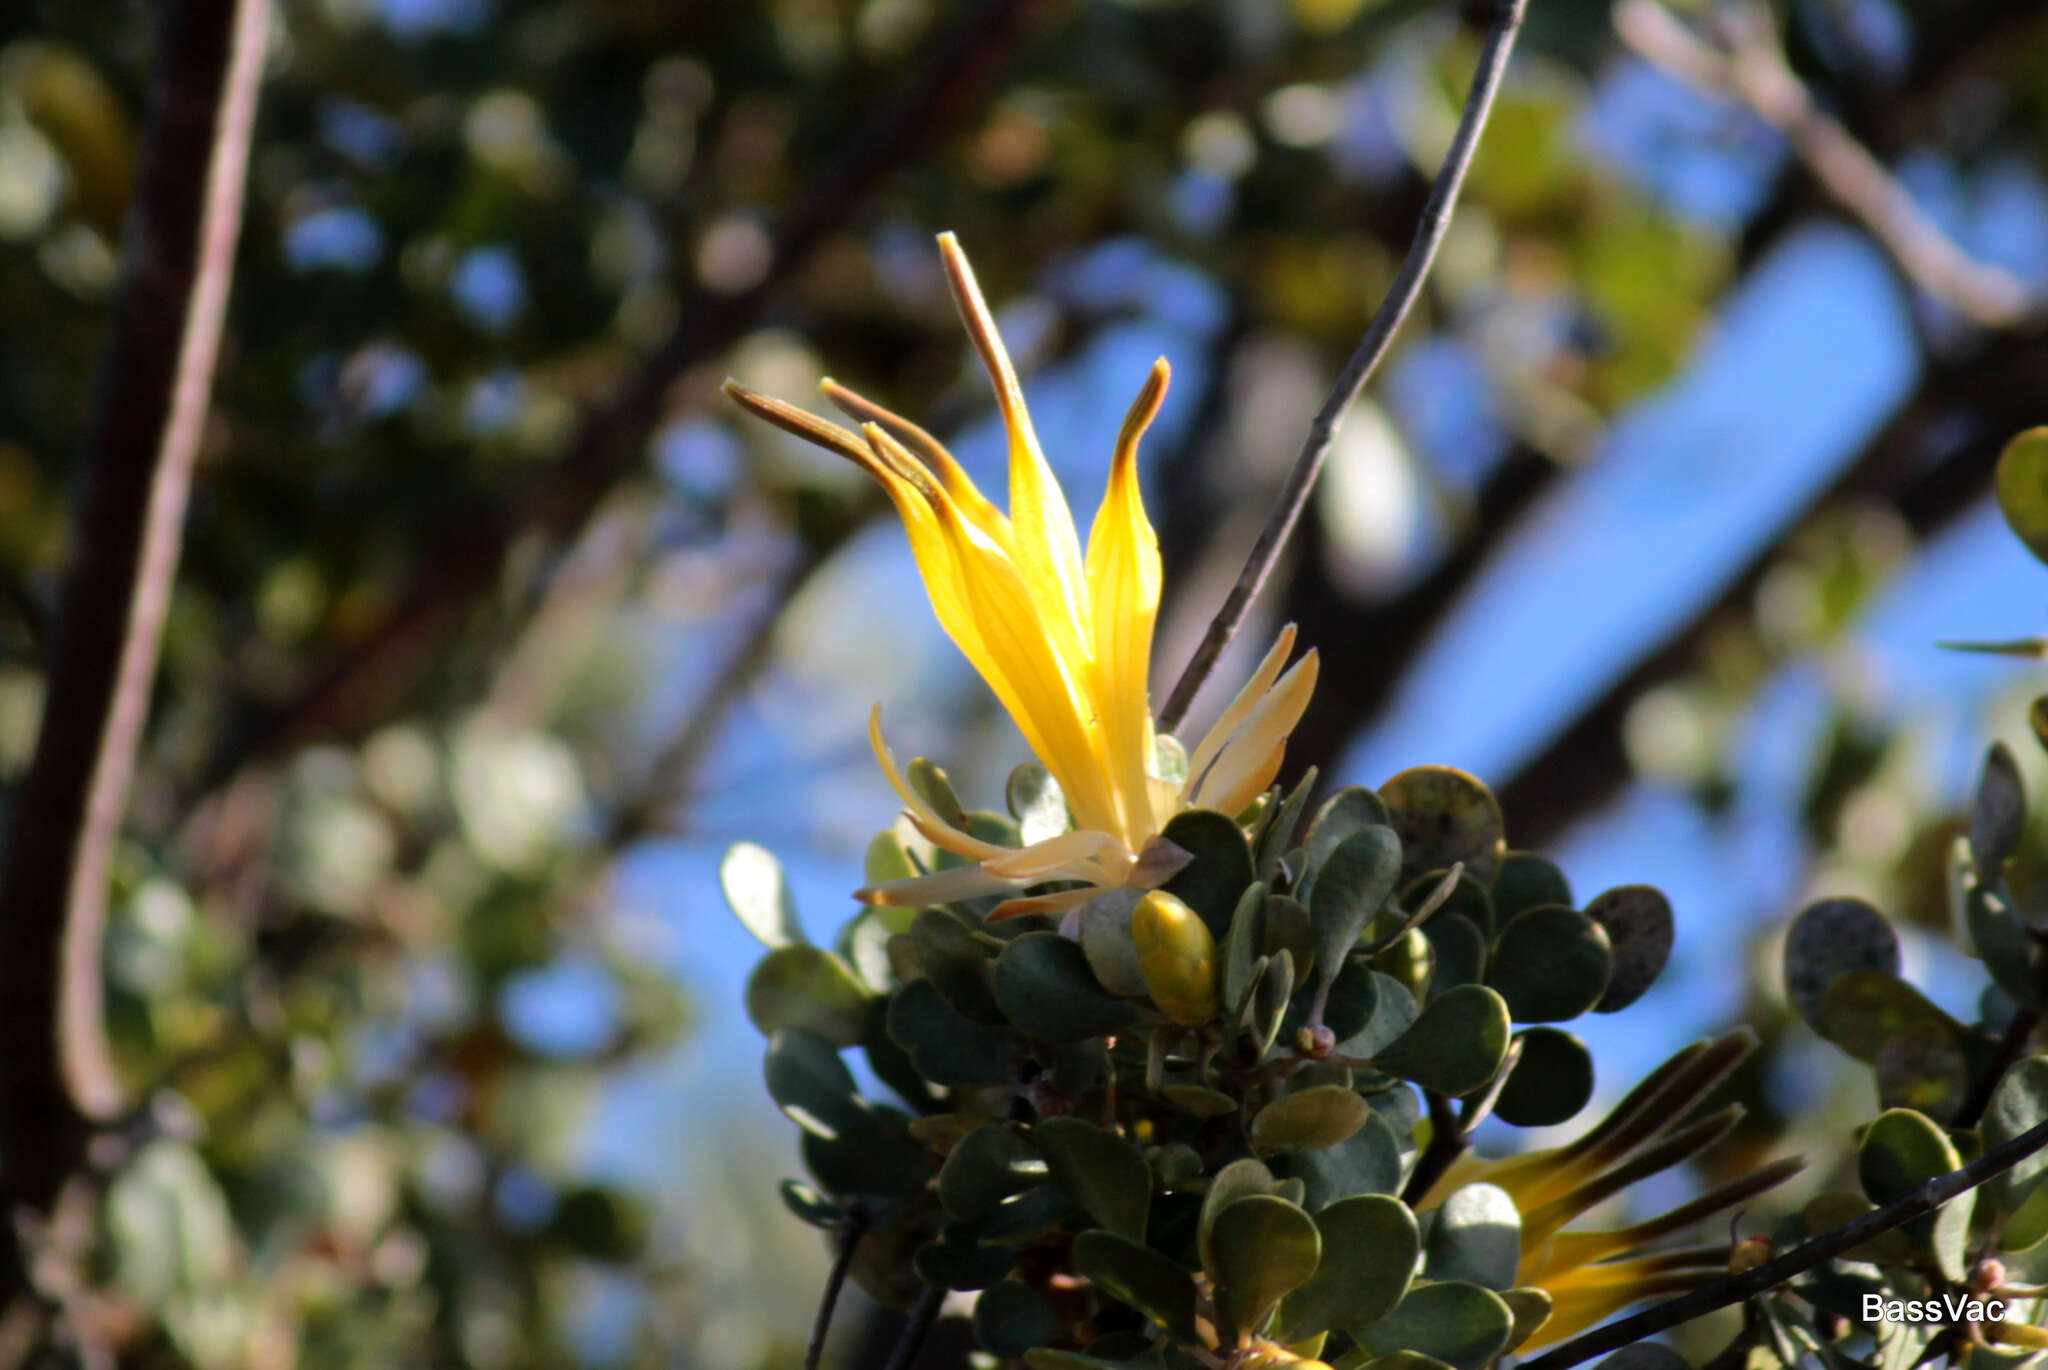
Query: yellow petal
[(929, 451), (1042, 533), (1123, 593), (1015, 651), (1246, 700)]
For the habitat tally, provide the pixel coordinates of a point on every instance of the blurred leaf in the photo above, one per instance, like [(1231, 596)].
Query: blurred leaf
[(805, 987), (2022, 484), (1477, 1237), (1829, 938), (757, 892), (1640, 930)]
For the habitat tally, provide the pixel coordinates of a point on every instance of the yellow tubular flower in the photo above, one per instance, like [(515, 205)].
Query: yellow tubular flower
[(1064, 640), (1592, 1275)]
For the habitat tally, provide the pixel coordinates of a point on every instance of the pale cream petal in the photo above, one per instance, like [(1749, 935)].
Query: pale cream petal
[(1245, 701), (1247, 762), (940, 887), (1041, 903), (1047, 859)]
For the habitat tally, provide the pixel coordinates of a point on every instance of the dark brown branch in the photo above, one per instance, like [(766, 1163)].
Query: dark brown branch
[(851, 1230), (153, 392), (611, 442), (1379, 336), (1446, 1144), (923, 1314), (1850, 1235)]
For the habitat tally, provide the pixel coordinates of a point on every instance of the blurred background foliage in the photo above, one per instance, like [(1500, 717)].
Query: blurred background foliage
[(495, 627)]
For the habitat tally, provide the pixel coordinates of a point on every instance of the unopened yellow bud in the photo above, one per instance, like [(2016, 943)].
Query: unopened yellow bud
[(1176, 957)]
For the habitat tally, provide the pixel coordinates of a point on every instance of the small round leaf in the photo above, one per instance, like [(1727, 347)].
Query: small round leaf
[(1640, 930), (1308, 1120), (1828, 939), (1264, 1248), (758, 893), (1455, 1046), (1369, 1246), (1443, 817), (802, 986), (1551, 964), (1552, 1079)]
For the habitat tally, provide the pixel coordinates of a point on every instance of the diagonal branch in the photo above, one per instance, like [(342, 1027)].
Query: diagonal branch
[(610, 444), (1364, 360), (153, 392), (1752, 71), (1850, 1235)]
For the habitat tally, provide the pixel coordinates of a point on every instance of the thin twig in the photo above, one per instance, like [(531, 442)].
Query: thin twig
[(1827, 1246), (149, 410), (923, 1314), (850, 1232), (1379, 336), (1752, 71)]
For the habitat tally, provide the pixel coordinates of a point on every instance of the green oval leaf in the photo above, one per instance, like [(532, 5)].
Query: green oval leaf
[(1137, 1275), (986, 1167), (1099, 1170), (1444, 817), (1264, 1248), (1044, 987), (1213, 882), (1369, 1246), (1526, 880), (1460, 949), (944, 1047), (1455, 1046), (2018, 1104), (1366, 1162), (811, 1084), (1462, 1325), (1552, 1079), (1351, 886), (1640, 930), (1307, 1120), (1830, 938), (1901, 1151), (956, 963), (1864, 1009), (1010, 1318)]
